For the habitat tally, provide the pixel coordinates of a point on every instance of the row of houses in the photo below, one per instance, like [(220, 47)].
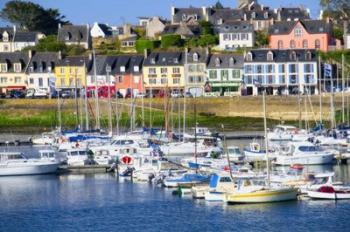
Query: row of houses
[(196, 71)]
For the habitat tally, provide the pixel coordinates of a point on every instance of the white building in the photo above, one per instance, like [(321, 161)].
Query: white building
[(13, 39), (236, 35), (346, 35), (280, 71), (41, 70), (99, 30)]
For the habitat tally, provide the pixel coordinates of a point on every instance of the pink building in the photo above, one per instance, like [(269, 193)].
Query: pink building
[(306, 34)]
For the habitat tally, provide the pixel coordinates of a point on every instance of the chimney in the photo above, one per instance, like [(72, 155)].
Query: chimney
[(172, 14), (59, 55), (205, 13), (245, 17), (146, 53), (14, 29), (59, 25), (30, 54)]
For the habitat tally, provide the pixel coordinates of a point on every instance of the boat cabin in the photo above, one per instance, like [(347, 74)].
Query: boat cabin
[(8, 156), (48, 154)]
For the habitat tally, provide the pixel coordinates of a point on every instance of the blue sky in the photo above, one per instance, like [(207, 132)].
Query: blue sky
[(119, 11)]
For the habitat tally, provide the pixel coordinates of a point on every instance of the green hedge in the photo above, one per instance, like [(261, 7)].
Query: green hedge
[(143, 44), (171, 41)]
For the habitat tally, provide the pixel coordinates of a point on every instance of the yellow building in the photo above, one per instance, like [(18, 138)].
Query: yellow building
[(71, 72), (13, 66), (164, 70)]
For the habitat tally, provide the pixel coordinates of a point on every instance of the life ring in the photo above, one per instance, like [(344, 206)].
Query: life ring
[(126, 159)]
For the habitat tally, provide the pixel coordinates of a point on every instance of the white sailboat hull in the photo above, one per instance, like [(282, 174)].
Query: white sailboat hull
[(331, 196), (27, 169), (263, 196), (305, 159)]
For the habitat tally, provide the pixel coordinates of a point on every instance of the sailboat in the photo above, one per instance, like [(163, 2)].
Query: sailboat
[(257, 190)]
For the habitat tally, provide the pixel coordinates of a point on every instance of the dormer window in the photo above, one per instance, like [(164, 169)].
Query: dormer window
[(293, 56), (195, 17), (266, 15), (136, 68), (217, 62), (68, 36), (195, 57), (231, 62), (184, 17), (163, 59), (308, 55), (269, 56), (153, 60), (176, 60), (122, 68), (17, 67), (249, 56), (5, 36), (3, 67), (298, 32), (253, 15)]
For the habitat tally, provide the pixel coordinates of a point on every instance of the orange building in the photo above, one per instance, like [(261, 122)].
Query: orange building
[(306, 34)]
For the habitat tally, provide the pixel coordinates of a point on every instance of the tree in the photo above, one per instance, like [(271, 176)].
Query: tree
[(32, 16), (208, 40), (206, 27), (171, 41), (261, 38), (50, 44), (338, 10), (218, 5)]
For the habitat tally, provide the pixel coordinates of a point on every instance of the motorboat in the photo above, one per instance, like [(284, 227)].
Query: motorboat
[(188, 149), (16, 163), (235, 154), (287, 133), (219, 185), (44, 139), (254, 152), (255, 190), (304, 153), (77, 157), (187, 179), (330, 192)]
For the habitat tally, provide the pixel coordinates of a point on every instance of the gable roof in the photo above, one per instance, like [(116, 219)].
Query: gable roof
[(164, 59), (19, 35), (292, 13), (75, 61), (311, 26), (41, 62), (201, 53), (187, 14), (73, 33), (260, 55), (226, 14), (218, 61), (182, 29), (238, 26), (14, 57)]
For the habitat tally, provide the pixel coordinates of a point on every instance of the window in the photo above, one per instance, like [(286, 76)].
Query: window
[(292, 68), (136, 68), (176, 70), (281, 68), (18, 79), (305, 43), (3, 67), (235, 36), (3, 80), (120, 79), (269, 79), (224, 75), (5, 37), (71, 82), (191, 68), (176, 81), (191, 79), (298, 32), (152, 71), (292, 44), (195, 57), (212, 74), (244, 36), (153, 81), (293, 56), (309, 79), (280, 44), (122, 68), (281, 79), (270, 68), (259, 69), (317, 44), (31, 81), (62, 70), (227, 37), (235, 74), (63, 82), (6, 48), (136, 79), (163, 81), (248, 68), (293, 79), (40, 82), (163, 70), (249, 56), (308, 68), (270, 56), (308, 55), (17, 67)]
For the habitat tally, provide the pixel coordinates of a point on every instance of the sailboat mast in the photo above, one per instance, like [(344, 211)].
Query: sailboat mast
[(86, 101), (195, 131), (184, 110), (319, 86), (59, 112), (97, 105), (110, 126), (266, 140), (343, 86)]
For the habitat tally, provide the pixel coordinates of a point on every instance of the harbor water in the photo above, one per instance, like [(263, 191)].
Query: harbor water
[(104, 202)]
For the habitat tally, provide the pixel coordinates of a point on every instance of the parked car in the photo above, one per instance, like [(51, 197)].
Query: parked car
[(15, 94), (67, 94), (188, 95), (2, 95), (176, 94), (36, 93)]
